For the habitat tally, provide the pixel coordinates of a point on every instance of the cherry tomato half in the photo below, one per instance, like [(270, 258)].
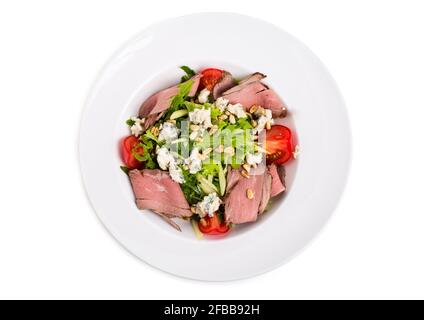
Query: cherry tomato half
[(129, 147), (213, 225), (211, 77), (279, 145)]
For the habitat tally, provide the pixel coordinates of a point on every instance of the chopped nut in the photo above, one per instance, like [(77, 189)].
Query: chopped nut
[(155, 131), (229, 150), (213, 129), (199, 139), (246, 167), (268, 125), (253, 108), (203, 222), (194, 127), (193, 135), (245, 174), (250, 194), (207, 151), (232, 119), (227, 113), (193, 209), (223, 117), (254, 123), (143, 120), (260, 111), (219, 149)]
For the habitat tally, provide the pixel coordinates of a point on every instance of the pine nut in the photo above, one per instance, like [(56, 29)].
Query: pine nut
[(250, 194), (207, 151), (229, 150), (246, 167), (154, 131), (253, 108), (219, 149), (268, 125)]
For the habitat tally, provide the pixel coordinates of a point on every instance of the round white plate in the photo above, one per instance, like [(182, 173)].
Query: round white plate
[(149, 62)]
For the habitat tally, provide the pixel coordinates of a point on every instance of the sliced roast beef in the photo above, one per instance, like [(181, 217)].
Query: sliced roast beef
[(278, 179), (154, 107), (226, 83), (247, 95), (238, 207), (169, 220), (250, 91), (266, 192), (155, 190), (254, 77), (257, 76)]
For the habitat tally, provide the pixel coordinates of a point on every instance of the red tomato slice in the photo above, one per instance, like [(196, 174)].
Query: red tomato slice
[(130, 146), (279, 145), (211, 77), (213, 226)]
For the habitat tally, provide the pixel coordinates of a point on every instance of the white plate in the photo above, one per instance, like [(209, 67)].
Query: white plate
[(240, 44)]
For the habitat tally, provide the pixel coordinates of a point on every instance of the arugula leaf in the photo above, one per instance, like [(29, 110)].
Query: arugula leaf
[(191, 189), (189, 73), (179, 99)]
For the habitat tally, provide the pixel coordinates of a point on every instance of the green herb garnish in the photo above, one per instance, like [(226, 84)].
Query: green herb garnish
[(189, 73)]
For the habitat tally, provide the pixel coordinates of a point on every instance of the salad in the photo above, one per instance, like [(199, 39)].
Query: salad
[(209, 150)]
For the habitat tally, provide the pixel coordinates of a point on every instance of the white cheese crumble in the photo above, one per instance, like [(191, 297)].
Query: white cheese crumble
[(164, 158), (204, 95), (176, 173), (237, 110), (169, 132), (262, 121), (136, 128), (167, 161), (221, 103), (201, 117), (209, 205), (253, 159), (194, 162)]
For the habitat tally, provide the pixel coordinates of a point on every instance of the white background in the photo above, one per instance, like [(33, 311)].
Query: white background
[(52, 244)]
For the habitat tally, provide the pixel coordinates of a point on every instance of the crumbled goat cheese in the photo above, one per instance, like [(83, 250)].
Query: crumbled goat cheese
[(169, 132), (262, 121), (253, 159), (221, 103), (164, 158), (237, 110), (204, 95), (201, 117), (136, 128), (209, 205), (194, 162), (167, 161), (176, 173)]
